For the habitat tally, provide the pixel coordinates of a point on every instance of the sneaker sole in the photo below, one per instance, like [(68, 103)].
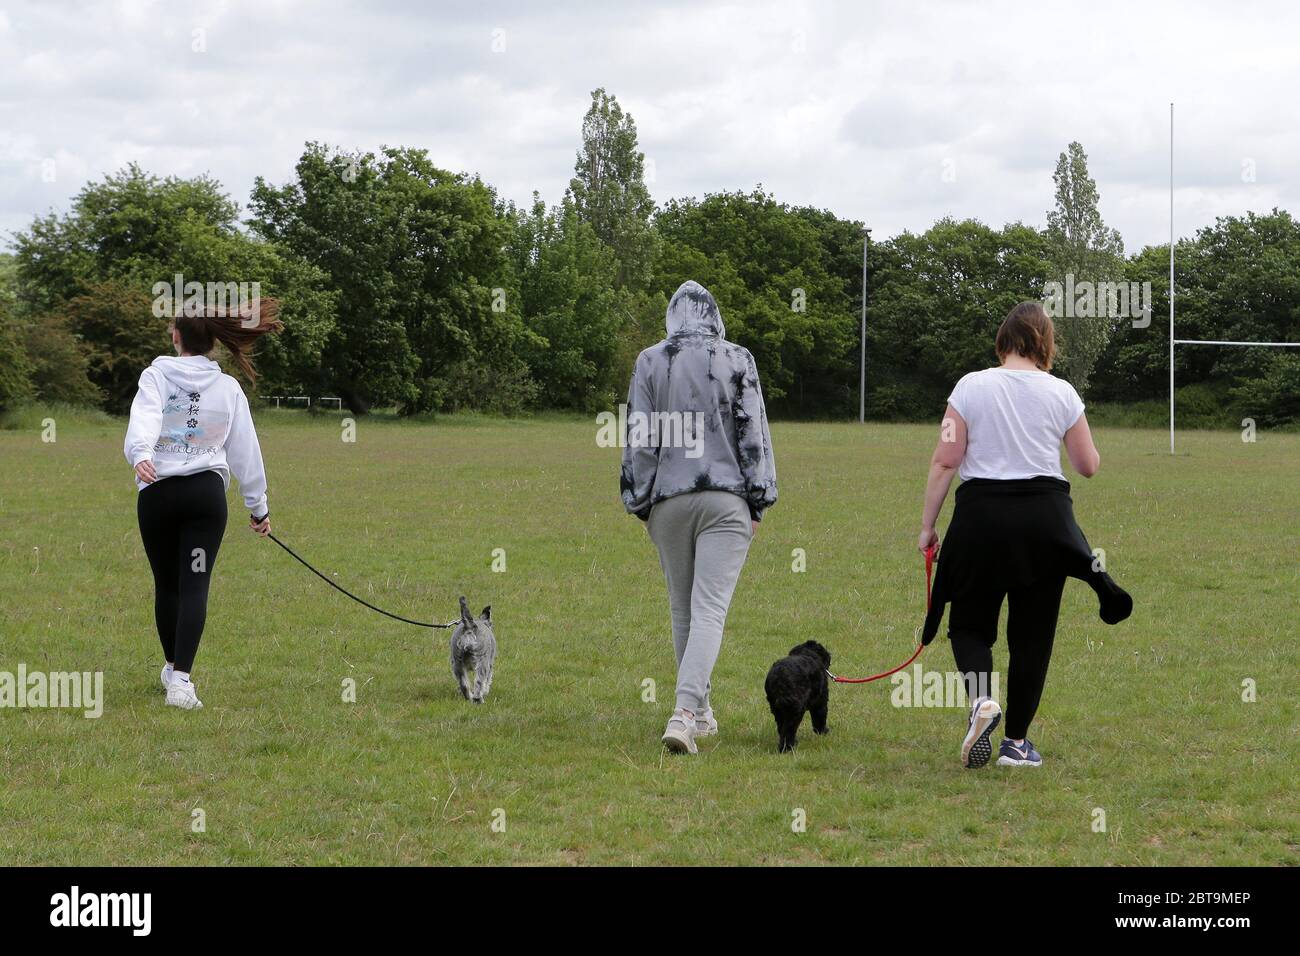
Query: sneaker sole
[(1013, 762), (679, 743), (977, 752), (197, 705)]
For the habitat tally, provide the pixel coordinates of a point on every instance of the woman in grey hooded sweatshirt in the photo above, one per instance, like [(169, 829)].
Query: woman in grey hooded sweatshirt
[(698, 468)]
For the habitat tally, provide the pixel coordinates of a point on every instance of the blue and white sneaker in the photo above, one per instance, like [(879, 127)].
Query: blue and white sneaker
[(1011, 754), (985, 715)]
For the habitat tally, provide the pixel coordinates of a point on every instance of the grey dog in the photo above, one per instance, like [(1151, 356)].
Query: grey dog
[(473, 648)]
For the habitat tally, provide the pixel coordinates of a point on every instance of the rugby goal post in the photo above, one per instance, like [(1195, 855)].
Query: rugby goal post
[(1176, 341), (321, 400)]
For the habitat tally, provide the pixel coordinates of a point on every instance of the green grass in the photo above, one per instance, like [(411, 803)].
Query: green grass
[(1145, 720)]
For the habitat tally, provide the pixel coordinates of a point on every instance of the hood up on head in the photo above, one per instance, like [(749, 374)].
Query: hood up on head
[(693, 309), (191, 373)]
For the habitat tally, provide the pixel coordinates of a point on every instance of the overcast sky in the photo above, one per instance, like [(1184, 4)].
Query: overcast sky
[(892, 113)]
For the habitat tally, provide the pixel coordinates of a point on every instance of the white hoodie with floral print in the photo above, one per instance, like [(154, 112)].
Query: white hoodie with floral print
[(188, 416)]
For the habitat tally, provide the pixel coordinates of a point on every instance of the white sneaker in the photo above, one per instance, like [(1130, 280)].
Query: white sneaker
[(180, 693), (976, 748), (705, 725), (166, 676), (679, 735)]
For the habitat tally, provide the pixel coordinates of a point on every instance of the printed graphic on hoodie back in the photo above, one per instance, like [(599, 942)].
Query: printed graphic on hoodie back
[(189, 429)]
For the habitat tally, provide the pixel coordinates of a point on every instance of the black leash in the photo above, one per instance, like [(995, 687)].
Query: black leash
[(337, 587)]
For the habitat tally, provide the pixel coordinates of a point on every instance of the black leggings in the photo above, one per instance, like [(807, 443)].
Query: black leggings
[(182, 521), (1031, 628)]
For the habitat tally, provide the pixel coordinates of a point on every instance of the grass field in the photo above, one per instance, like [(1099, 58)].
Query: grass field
[(1145, 721)]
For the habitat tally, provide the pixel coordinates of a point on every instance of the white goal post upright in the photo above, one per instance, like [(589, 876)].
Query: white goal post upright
[(1173, 341), (1171, 278)]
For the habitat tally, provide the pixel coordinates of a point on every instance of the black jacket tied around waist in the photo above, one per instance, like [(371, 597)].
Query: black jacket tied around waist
[(1012, 534)]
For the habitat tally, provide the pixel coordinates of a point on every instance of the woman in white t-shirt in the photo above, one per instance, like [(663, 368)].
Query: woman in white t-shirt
[(1012, 536)]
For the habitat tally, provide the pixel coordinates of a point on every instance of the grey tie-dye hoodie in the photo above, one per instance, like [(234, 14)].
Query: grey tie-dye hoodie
[(710, 383)]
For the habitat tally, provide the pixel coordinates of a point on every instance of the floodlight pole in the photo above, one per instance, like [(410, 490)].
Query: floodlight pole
[(862, 377), (1171, 278)]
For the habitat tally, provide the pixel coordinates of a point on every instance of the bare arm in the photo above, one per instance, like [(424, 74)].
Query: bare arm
[(948, 455), (1079, 446)]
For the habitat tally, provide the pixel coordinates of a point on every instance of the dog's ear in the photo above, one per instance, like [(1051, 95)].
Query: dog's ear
[(486, 615), (465, 617)]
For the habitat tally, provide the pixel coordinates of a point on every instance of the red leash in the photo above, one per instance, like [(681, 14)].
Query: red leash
[(929, 570)]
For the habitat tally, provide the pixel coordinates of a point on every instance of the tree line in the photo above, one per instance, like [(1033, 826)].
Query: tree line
[(403, 285)]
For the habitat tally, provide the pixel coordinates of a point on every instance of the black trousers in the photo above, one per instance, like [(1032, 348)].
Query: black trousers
[(1031, 628), (182, 521)]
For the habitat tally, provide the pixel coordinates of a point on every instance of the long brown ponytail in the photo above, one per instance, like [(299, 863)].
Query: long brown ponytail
[(236, 329)]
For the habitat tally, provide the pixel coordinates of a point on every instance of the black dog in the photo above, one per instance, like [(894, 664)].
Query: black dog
[(795, 684)]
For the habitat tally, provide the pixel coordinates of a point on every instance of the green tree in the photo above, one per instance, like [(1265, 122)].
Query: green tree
[(781, 278), (132, 230), (129, 225), (61, 362), (114, 318), (8, 281), (1135, 363), (572, 305), (1082, 246), (608, 190), (15, 366), (1271, 396), (934, 306), (428, 313)]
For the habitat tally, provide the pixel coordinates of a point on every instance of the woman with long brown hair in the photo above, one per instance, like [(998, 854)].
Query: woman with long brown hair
[(190, 430), (1013, 537)]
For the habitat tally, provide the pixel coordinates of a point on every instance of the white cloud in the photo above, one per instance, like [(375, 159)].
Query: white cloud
[(856, 107)]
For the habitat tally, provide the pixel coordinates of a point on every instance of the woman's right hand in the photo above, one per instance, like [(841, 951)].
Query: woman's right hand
[(262, 527), (929, 538), (145, 472)]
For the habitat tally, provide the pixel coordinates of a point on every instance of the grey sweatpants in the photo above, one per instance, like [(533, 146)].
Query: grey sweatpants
[(702, 537)]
